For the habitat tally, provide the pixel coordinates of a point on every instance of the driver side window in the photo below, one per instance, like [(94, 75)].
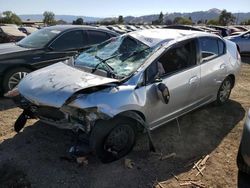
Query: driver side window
[(176, 59)]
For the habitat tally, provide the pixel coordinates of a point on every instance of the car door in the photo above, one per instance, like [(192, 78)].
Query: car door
[(66, 45), (245, 42), (177, 69), (213, 66)]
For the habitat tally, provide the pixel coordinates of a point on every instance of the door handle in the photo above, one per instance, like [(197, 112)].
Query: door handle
[(193, 80)]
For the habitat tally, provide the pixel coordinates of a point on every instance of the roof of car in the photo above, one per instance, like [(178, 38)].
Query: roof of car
[(153, 37), (66, 27), (10, 30)]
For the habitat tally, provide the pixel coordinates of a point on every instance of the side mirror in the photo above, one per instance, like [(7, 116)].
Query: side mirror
[(163, 93)]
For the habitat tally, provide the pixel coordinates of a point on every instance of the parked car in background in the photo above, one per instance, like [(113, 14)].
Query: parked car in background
[(208, 29), (131, 27), (10, 34), (116, 29), (224, 31), (139, 80), (45, 47), (241, 27), (27, 30), (124, 28), (232, 30), (243, 158), (183, 27), (242, 41)]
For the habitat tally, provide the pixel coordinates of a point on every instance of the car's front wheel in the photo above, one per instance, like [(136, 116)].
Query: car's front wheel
[(113, 139), (224, 91), (13, 77)]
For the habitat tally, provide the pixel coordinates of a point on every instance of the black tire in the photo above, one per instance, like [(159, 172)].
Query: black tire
[(20, 122), (225, 88), (9, 74), (242, 166), (103, 138)]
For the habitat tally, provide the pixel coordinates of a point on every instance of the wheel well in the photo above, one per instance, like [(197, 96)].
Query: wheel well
[(19, 66), (136, 116), (232, 77), (140, 114)]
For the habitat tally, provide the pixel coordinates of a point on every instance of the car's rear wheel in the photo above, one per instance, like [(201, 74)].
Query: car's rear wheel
[(113, 139), (13, 77), (242, 166), (224, 91)]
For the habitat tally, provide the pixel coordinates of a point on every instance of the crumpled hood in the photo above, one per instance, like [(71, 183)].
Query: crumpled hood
[(53, 85)]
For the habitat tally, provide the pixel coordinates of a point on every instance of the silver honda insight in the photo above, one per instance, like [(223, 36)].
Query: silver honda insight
[(137, 81)]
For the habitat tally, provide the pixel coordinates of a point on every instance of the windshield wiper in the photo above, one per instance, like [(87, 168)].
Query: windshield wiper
[(110, 69)]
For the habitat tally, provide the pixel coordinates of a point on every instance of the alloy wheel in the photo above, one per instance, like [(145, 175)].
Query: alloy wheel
[(15, 79), (225, 90)]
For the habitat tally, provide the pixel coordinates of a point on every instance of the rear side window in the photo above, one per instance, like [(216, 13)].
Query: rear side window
[(222, 49), (96, 37), (70, 40), (211, 48)]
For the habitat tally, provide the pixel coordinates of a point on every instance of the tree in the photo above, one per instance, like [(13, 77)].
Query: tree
[(9, 17), (200, 22), (226, 18), (168, 22), (246, 22), (110, 22), (120, 20), (61, 22), (49, 18), (78, 21), (161, 18), (213, 22), (182, 21)]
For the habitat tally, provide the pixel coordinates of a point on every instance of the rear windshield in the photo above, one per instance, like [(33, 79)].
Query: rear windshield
[(39, 39)]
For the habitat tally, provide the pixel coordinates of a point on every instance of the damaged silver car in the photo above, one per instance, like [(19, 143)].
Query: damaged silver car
[(137, 81)]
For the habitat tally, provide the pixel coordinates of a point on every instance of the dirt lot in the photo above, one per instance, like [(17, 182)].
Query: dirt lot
[(33, 158)]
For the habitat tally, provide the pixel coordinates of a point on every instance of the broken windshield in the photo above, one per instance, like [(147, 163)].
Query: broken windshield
[(123, 55)]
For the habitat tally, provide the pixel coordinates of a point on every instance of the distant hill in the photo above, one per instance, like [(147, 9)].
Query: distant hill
[(195, 16)]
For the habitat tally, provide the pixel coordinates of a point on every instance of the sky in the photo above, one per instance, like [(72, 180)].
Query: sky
[(113, 8)]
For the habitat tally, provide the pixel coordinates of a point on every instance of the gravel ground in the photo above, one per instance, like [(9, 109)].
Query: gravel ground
[(35, 157)]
